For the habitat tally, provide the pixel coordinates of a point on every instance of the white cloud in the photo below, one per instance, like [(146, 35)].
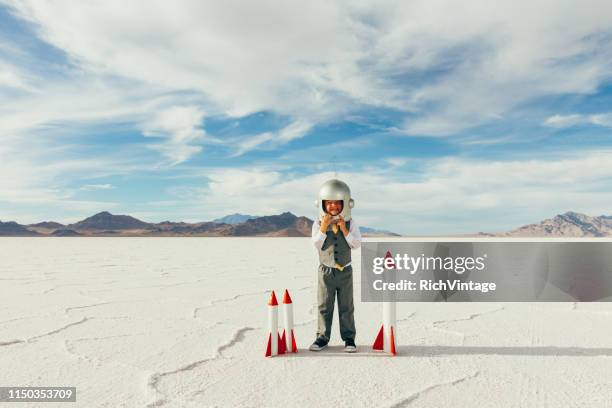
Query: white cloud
[(10, 77), (181, 129), (564, 121), (397, 161), (72, 104), (252, 142), (453, 65), (294, 130), (94, 187), (602, 119), (444, 196), (230, 183), (37, 180)]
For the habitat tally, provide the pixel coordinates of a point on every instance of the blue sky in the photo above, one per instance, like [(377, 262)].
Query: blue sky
[(442, 118)]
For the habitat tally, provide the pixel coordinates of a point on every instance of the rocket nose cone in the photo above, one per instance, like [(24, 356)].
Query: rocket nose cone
[(272, 301), (286, 297)]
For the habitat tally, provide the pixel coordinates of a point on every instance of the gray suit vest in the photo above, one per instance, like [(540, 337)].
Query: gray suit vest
[(335, 249)]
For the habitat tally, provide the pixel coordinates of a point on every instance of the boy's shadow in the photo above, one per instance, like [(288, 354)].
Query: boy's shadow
[(439, 351)]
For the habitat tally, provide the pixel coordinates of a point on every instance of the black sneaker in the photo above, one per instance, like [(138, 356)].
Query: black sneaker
[(319, 344), (349, 346)]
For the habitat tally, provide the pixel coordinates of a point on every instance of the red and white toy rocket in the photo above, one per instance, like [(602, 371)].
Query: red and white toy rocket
[(288, 338), (275, 346), (387, 335)]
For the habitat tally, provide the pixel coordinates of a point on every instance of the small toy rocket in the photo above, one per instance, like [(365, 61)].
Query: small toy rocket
[(275, 345)]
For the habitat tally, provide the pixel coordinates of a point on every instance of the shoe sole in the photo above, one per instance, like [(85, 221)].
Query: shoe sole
[(316, 348), (350, 350)]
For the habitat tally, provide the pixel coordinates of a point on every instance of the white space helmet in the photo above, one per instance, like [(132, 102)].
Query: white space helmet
[(335, 190)]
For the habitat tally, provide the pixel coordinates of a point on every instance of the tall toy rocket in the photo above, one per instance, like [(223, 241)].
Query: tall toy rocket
[(288, 337), (387, 335)]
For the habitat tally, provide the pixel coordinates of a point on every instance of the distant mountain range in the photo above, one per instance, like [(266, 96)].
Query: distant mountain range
[(11, 228), (569, 224), (234, 225)]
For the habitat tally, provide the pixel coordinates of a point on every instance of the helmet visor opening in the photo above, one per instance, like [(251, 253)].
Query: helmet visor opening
[(333, 207)]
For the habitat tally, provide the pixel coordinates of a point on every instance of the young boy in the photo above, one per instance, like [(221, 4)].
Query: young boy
[(334, 235)]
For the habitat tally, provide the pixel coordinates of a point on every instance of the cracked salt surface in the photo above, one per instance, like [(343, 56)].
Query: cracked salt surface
[(172, 322)]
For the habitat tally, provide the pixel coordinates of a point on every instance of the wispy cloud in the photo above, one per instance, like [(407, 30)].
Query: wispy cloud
[(397, 161), (180, 127), (565, 121), (38, 180), (294, 130), (10, 77), (93, 187)]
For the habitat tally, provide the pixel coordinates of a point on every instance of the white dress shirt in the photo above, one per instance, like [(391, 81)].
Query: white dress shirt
[(353, 238)]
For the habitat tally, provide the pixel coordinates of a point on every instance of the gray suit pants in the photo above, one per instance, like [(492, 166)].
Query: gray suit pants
[(333, 281)]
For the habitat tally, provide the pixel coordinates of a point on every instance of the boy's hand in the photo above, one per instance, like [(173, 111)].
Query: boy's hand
[(342, 224), (325, 221)]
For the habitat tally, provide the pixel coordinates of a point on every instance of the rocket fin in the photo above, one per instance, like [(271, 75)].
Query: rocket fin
[(282, 346), (379, 342), (293, 345), (269, 348)]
